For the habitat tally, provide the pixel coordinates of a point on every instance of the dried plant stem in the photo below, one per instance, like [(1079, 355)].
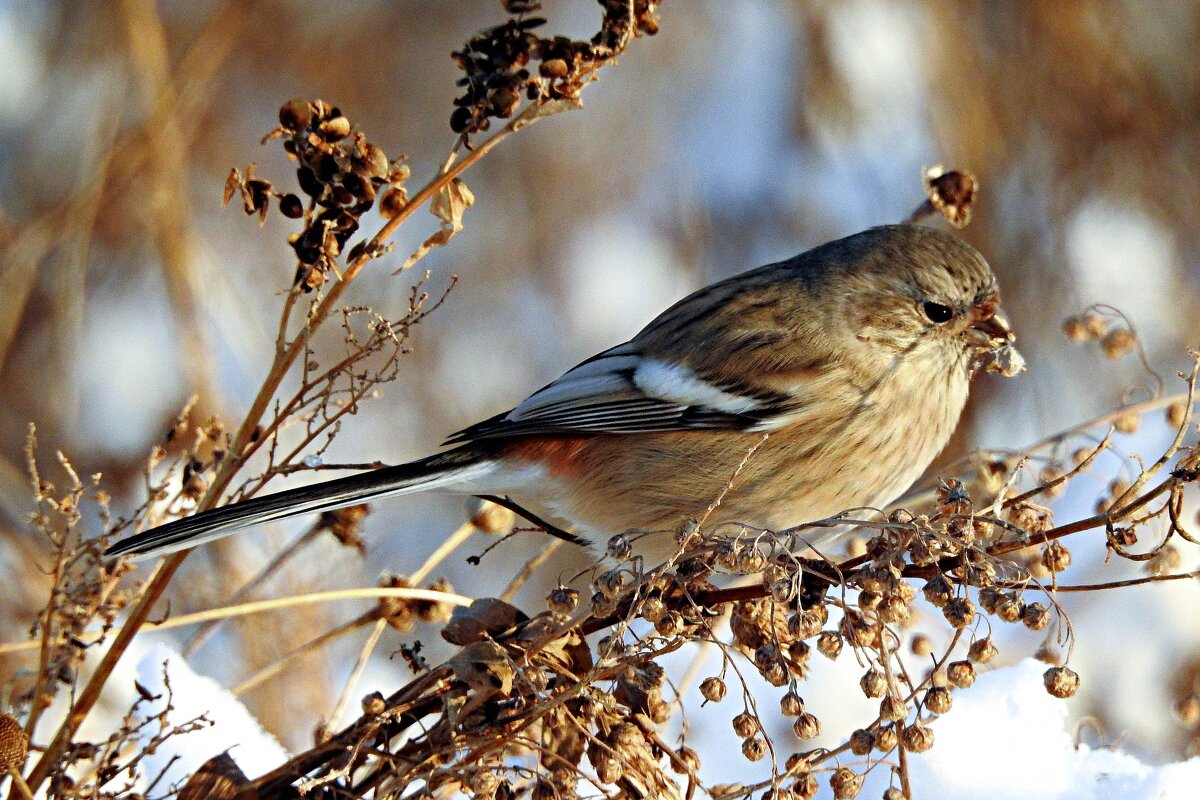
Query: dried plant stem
[(259, 606), (245, 443), (91, 691), (286, 357), (20, 787), (364, 655), (530, 567), (1095, 587), (200, 637), (448, 546), (274, 668)]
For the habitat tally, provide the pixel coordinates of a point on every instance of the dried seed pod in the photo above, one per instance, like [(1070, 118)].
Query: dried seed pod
[(690, 759), (990, 598), (370, 161), (485, 784), (750, 560), (1118, 342), (917, 738), (791, 704), (611, 582), (754, 749), (952, 496), (938, 700), (1062, 682), (960, 674), (807, 726), (1177, 413), (845, 783), (393, 203), (869, 600), (1095, 324), (602, 605), (488, 517), (959, 612), (1076, 329), (894, 794), (799, 652), (937, 590), (862, 741), (858, 631), (893, 709), (619, 548), (653, 609), (886, 738), (725, 554), (1035, 616), (776, 675), (893, 609), (1010, 608), (1056, 557), (873, 683), (806, 786), (608, 770), (291, 206), (982, 650), (745, 725), (295, 115), (829, 644), (783, 590), (669, 624), (713, 689), (14, 744), (562, 600), (808, 623), (1127, 422), (334, 129)]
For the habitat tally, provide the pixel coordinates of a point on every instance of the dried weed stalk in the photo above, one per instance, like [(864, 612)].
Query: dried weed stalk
[(341, 176)]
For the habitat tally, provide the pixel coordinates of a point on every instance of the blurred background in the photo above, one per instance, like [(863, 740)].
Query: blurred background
[(742, 133)]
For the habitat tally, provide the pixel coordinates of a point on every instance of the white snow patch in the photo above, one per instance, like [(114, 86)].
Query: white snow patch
[(234, 729)]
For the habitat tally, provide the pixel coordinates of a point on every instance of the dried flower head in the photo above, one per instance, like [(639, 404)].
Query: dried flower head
[(1062, 682)]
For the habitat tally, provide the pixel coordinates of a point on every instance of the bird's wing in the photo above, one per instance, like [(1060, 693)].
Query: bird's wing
[(622, 391)]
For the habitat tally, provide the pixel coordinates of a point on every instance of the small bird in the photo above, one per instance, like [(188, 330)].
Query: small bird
[(788, 393)]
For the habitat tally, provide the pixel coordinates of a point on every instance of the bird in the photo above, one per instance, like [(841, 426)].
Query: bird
[(781, 395)]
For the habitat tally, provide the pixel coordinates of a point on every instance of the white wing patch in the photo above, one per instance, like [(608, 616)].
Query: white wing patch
[(621, 391), (677, 384)]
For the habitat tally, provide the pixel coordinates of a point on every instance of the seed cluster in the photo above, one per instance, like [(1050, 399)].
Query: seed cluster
[(498, 63), (339, 171)]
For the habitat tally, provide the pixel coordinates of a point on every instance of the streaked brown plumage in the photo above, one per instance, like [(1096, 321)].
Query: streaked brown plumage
[(844, 369)]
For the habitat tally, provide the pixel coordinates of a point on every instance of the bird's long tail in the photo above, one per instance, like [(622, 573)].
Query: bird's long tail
[(458, 467)]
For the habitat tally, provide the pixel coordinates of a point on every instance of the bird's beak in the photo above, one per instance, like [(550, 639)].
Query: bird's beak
[(992, 340), (991, 331)]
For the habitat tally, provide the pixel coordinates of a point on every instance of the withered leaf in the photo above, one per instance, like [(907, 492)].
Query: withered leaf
[(563, 737), (219, 778), (484, 667), (485, 616), (233, 184), (448, 205), (569, 652)]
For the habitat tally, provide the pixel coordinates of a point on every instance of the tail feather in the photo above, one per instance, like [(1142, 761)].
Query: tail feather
[(439, 470)]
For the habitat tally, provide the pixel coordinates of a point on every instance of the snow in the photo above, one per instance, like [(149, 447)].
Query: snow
[(234, 729), (1007, 738)]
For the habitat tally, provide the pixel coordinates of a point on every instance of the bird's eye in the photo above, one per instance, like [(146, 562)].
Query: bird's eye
[(937, 313)]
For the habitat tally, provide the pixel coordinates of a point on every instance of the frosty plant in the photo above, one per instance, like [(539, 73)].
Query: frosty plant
[(568, 700)]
